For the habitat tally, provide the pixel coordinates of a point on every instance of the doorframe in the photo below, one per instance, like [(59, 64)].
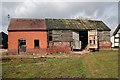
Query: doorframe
[(19, 44)]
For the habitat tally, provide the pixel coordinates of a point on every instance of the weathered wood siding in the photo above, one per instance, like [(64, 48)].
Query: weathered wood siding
[(103, 36), (76, 41), (62, 35), (104, 39), (60, 38)]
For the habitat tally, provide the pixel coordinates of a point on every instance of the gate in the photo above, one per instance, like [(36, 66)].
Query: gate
[(92, 39)]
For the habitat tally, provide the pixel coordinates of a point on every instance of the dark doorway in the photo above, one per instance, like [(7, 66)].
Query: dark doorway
[(83, 37), (36, 43), (21, 46)]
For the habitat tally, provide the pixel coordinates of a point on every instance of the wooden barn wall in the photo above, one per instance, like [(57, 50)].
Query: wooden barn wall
[(60, 38), (104, 39), (103, 36), (62, 35)]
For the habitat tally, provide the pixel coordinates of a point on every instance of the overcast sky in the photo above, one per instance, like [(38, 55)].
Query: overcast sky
[(105, 11)]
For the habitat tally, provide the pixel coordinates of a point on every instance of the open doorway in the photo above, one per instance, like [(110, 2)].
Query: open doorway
[(21, 46), (83, 37)]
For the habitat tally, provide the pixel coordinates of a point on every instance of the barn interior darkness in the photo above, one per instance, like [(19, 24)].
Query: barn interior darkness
[(21, 46), (83, 37)]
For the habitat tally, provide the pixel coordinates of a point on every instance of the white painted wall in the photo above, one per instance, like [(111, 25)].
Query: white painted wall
[(116, 40), (116, 35), (116, 44), (112, 40), (118, 31)]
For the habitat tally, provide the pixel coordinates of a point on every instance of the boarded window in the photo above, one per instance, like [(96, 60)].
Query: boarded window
[(36, 43)]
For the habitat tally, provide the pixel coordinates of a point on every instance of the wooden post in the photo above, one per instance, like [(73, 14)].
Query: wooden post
[(18, 46)]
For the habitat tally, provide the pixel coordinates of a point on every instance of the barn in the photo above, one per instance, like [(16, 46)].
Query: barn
[(56, 35), (3, 40), (115, 39)]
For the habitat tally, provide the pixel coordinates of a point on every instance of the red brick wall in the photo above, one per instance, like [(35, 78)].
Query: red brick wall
[(59, 44), (105, 45), (50, 50), (29, 36)]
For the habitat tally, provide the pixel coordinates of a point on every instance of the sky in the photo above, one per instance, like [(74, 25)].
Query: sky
[(104, 11)]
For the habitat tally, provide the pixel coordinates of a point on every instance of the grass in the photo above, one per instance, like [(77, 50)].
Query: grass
[(102, 64)]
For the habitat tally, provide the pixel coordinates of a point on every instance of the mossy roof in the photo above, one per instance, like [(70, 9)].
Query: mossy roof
[(75, 24)]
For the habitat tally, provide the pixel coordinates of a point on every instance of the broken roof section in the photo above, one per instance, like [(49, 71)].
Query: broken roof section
[(49, 24)]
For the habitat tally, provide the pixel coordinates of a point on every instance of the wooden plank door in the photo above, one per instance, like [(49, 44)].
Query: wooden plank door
[(76, 41), (21, 46), (92, 39), (76, 44)]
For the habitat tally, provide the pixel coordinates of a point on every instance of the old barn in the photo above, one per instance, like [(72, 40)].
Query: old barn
[(3, 40), (57, 35)]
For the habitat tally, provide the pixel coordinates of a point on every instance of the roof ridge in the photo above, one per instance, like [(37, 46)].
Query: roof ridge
[(28, 18), (117, 28)]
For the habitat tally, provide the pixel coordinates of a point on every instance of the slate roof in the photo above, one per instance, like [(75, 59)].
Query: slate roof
[(26, 24), (116, 30), (48, 24)]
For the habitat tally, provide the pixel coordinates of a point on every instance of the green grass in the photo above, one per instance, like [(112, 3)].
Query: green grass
[(102, 64)]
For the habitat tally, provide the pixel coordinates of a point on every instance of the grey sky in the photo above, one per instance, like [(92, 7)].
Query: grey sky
[(105, 11)]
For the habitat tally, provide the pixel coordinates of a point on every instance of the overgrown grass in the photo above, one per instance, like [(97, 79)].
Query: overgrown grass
[(102, 64)]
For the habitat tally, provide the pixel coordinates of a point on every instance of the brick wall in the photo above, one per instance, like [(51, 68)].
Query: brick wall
[(50, 50), (29, 36), (59, 44), (105, 45)]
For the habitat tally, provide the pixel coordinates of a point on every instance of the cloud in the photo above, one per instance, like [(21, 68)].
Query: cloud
[(105, 11), (61, 0)]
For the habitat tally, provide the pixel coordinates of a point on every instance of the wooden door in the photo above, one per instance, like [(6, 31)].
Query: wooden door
[(76, 41), (21, 46), (76, 44), (92, 39)]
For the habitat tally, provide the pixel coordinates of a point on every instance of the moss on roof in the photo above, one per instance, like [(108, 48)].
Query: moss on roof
[(74, 24), (47, 24)]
